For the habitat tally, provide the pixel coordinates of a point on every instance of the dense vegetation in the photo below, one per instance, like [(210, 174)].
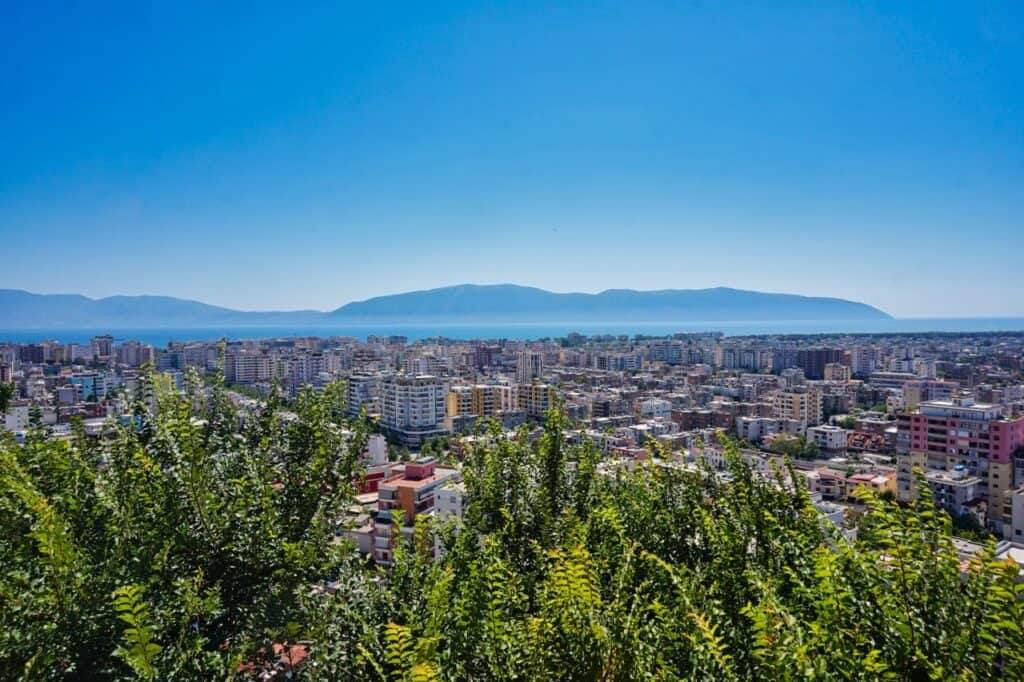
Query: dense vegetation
[(188, 541)]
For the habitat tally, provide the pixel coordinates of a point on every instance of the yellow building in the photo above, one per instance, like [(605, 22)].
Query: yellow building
[(536, 399)]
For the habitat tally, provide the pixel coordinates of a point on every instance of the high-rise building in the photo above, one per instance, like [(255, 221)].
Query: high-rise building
[(412, 407), (836, 371), (731, 356), (864, 360), (813, 360), (135, 354), (247, 368), (535, 399), (32, 354), (459, 402), (801, 405), (529, 366), (362, 391), (102, 346), (975, 439), (484, 354)]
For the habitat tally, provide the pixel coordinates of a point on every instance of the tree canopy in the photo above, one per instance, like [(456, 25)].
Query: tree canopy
[(192, 539)]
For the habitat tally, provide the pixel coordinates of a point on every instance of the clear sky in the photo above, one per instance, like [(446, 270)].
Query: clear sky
[(284, 157)]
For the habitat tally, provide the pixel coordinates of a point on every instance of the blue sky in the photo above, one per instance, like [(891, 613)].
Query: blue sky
[(269, 156)]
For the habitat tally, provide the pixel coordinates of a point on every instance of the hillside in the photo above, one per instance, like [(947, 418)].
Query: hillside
[(467, 303), (511, 303)]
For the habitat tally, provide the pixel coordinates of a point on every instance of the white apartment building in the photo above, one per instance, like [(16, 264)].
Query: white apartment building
[(362, 391), (828, 437), (865, 360), (424, 364), (654, 408), (449, 502), (529, 366), (17, 417), (248, 368), (413, 407)]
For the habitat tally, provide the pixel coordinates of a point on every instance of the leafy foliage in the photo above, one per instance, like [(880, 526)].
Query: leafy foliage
[(210, 528), (222, 520), (6, 395), (141, 649)]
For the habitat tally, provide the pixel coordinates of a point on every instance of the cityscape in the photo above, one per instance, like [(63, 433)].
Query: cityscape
[(850, 410), (484, 341)]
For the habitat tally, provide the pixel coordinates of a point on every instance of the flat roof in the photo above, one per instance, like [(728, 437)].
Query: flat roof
[(401, 481)]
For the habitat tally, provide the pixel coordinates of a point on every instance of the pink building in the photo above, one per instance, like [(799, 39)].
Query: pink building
[(962, 428), (969, 439)]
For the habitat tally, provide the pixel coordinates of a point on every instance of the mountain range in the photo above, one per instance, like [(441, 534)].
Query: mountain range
[(465, 303)]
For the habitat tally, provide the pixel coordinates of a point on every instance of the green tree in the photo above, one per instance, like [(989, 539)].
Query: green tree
[(6, 395), (185, 544)]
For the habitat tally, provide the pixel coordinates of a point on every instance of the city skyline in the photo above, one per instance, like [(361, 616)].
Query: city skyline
[(273, 160), (521, 340)]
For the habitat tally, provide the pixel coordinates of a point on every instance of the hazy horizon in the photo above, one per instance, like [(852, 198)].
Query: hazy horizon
[(343, 303), (272, 158)]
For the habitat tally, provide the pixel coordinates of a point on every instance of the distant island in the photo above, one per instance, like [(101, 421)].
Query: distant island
[(461, 304)]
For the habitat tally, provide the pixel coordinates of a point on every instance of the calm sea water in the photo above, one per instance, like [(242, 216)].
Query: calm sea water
[(160, 336)]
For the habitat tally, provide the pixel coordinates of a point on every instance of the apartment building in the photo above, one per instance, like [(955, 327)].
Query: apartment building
[(248, 368), (945, 434), (801, 405), (836, 371), (362, 391), (529, 366), (410, 490), (479, 400), (813, 360), (828, 437), (413, 407), (535, 399)]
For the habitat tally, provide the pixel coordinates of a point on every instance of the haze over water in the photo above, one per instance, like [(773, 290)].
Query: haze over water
[(161, 336)]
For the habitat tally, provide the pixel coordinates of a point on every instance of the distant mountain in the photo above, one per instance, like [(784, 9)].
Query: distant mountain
[(512, 303), (467, 303), (24, 310)]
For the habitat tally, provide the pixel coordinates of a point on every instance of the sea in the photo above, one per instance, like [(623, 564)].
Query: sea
[(160, 336)]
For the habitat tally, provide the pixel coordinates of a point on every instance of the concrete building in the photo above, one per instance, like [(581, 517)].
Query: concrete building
[(479, 400), (1017, 515), (529, 366), (248, 368), (955, 490), (945, 434), (654, 408), (410, 490), (17, 416), (890, 379), (813, 360), (917, 391), (102, 346), (535, 399), (828, 437), (362, 391), (449, 499), (733, 356), (412, 408), (449, 503), (836, 371), (802, 405), (135, 354)]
